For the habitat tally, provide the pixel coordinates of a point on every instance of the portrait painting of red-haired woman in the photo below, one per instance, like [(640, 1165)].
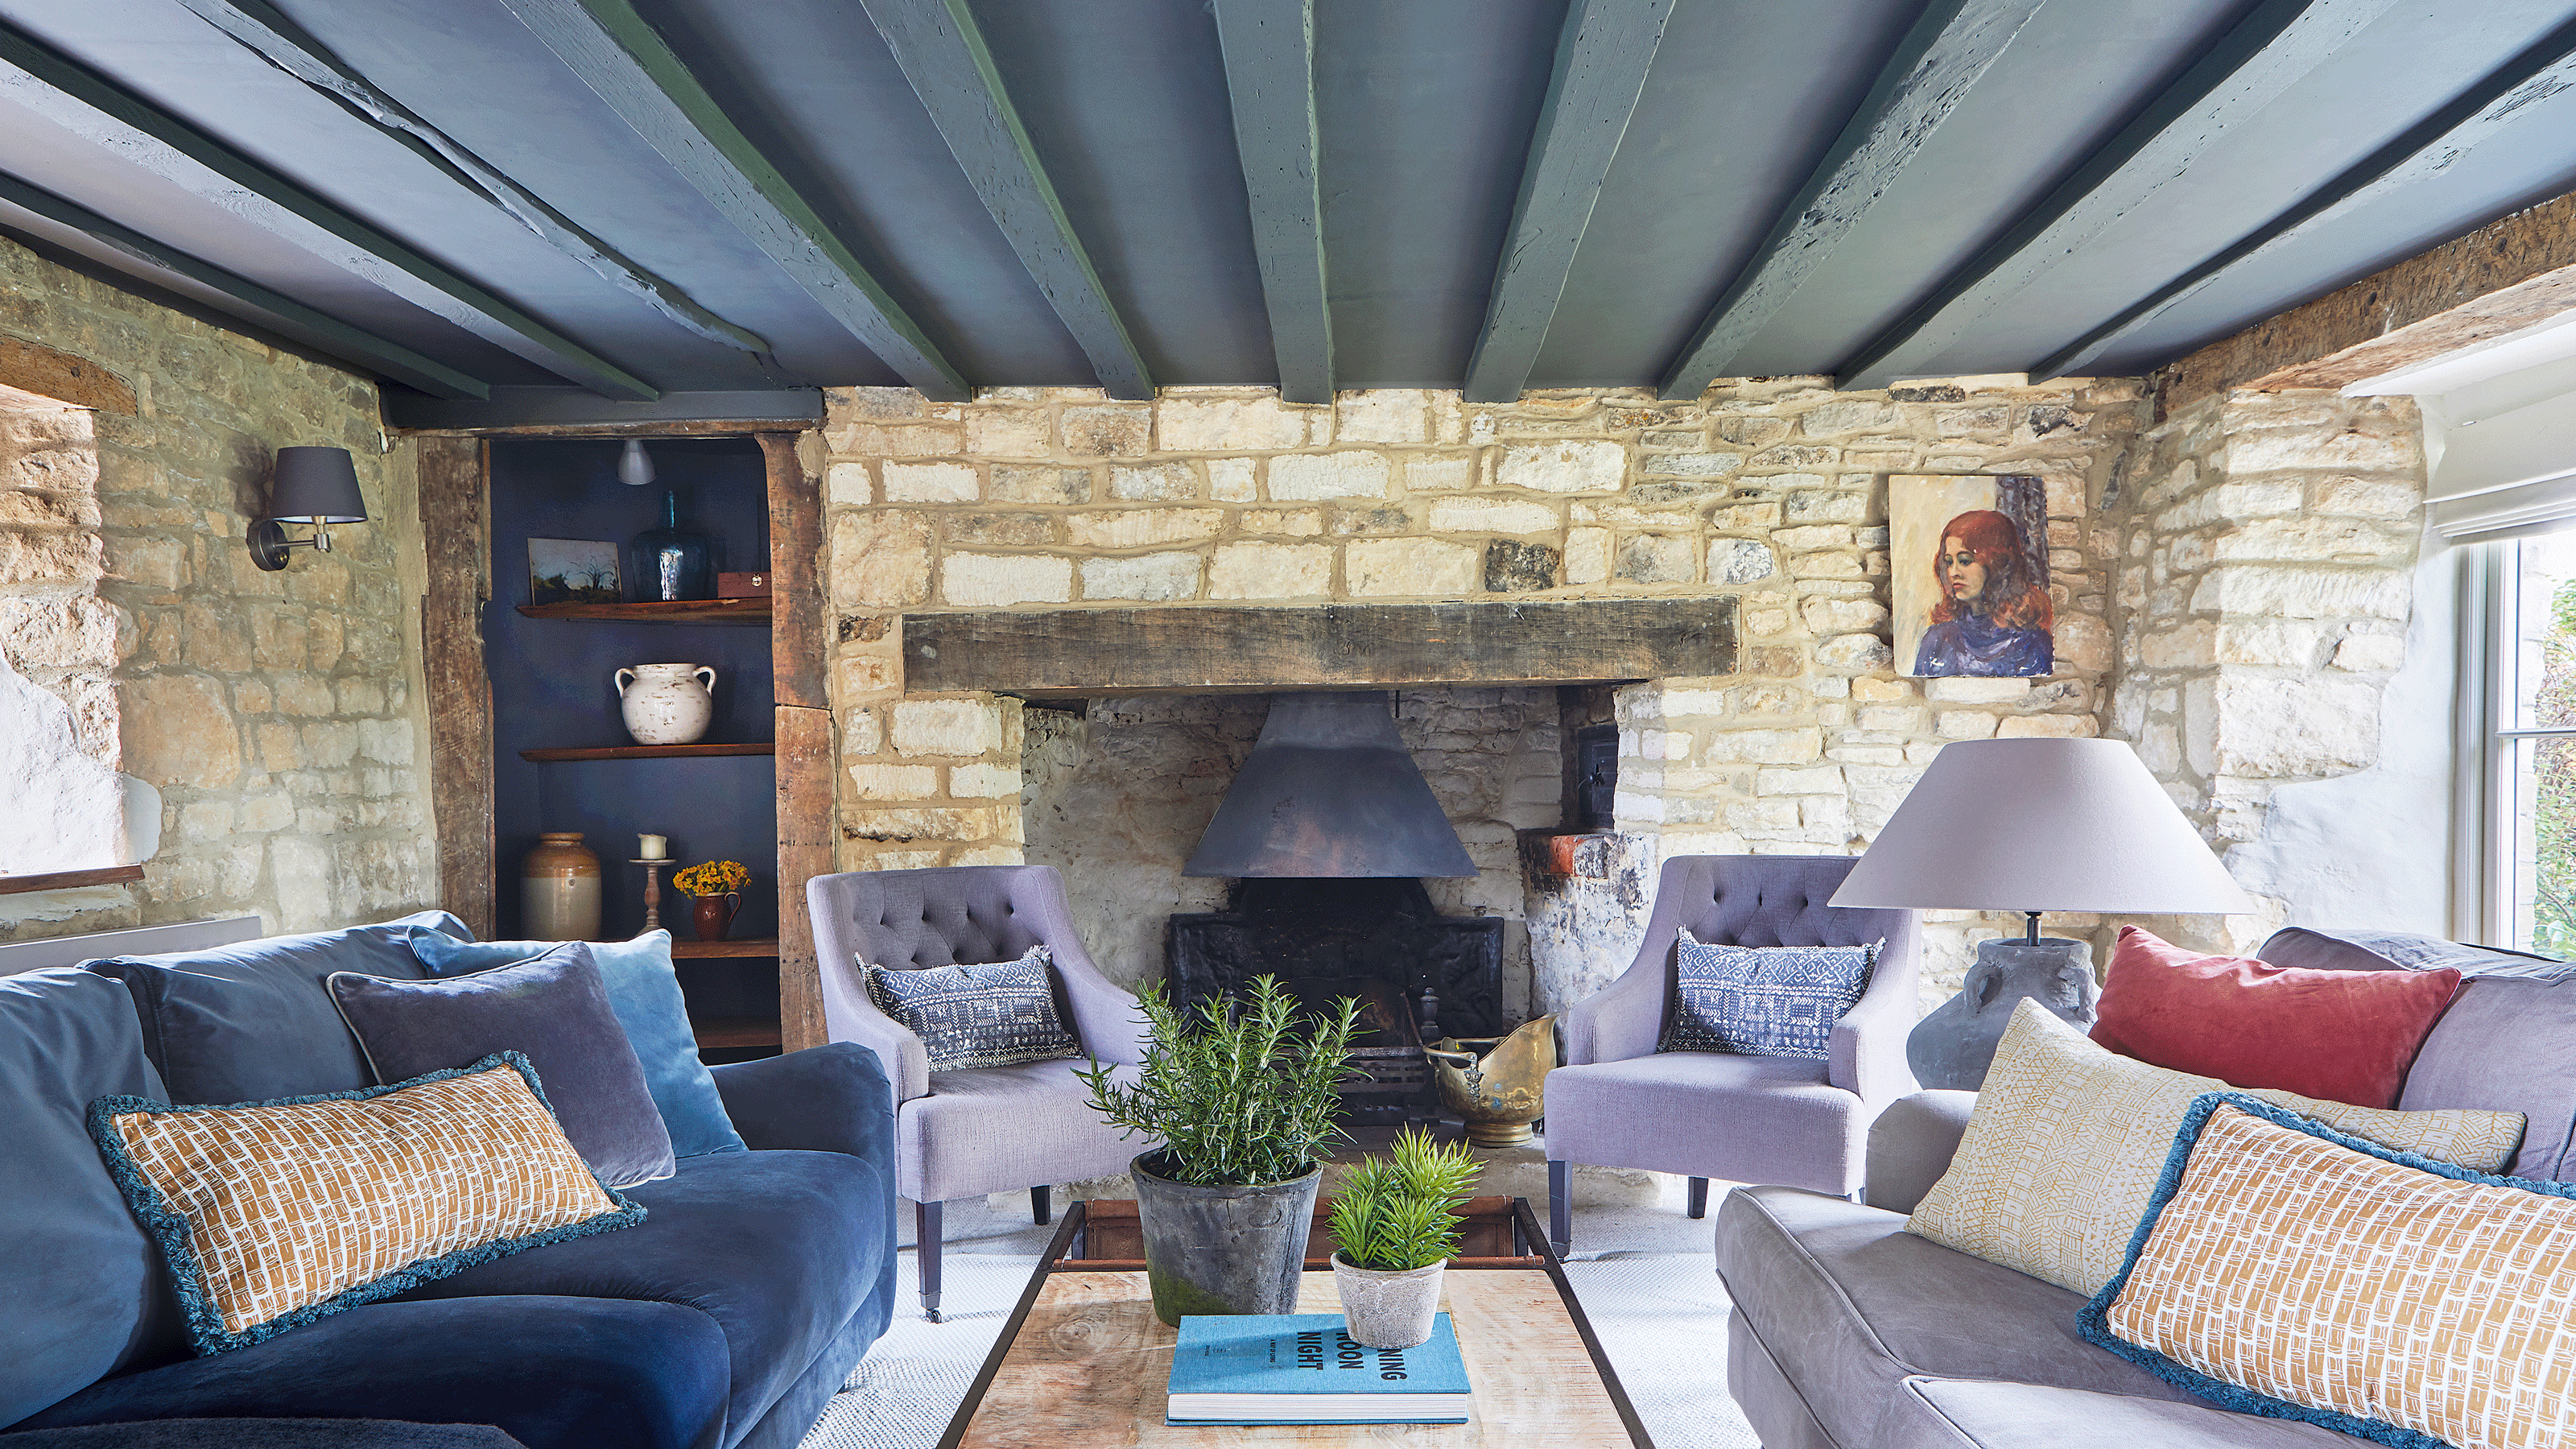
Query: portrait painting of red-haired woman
[(1969, 557)]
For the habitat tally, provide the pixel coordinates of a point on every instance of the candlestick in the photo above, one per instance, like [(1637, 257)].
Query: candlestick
[(652, 887)]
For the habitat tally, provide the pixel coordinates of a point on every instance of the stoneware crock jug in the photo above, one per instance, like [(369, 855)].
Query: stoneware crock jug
[(667, 704)]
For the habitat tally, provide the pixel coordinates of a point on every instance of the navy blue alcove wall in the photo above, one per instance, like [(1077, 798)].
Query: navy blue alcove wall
[(552, 687)]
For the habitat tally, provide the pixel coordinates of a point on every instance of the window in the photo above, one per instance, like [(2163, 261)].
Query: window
[(2531, 758)]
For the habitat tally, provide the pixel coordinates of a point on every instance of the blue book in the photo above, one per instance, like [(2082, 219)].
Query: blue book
[(1300, 1368)]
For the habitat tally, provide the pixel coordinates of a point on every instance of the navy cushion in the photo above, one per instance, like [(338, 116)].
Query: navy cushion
[(552, 1372), (977, 1014), (253, 1022), (779, 1248), (83, 1287), (1767, 1001), (267, 1434), (554, 1012), (644, 991)]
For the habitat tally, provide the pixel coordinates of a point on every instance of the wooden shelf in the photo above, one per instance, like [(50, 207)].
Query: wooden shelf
[(764, 947), (746, 612), (63, 880), (648, 752), (738, 1031)]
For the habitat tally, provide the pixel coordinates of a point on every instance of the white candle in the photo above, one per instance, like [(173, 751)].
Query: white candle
[(652, 847)]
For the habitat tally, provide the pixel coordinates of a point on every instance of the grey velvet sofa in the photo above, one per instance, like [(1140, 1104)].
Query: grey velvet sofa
[(1851, 1333)]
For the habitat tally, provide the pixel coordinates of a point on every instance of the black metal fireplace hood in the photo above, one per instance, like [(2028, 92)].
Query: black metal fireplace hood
[(1329, 790)]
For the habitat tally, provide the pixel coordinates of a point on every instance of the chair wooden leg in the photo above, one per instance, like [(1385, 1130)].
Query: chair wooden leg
[(1560, 1206), (1042, 1205), (1699, 1197), (925, 1222)]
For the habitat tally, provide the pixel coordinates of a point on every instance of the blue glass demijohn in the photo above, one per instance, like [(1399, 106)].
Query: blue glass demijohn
[(670, 562)]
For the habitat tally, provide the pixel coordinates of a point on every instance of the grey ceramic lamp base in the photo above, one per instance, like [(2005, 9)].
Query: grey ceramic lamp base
[(1951, 1048)]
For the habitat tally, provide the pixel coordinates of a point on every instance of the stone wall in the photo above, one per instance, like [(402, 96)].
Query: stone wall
[(277, 715), (1770, 490), (2268, 544)]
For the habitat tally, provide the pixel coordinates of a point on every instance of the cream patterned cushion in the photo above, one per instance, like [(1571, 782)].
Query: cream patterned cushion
[(274, 1214), (2292, 1270), (2068, 1139)]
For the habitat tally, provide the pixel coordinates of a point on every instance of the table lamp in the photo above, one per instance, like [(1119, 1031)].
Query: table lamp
[(2032, 825)]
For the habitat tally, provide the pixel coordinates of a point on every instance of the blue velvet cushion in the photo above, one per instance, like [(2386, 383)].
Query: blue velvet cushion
[(554, 1372), (1764, 1001), (267, 1434), (251, 1022), (782, 1249), (553, 1011), (645, 993)]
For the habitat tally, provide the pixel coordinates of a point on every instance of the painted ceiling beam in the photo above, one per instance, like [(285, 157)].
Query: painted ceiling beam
[(1269, 49), (2271, 49), (106, 114), (260, 28), (1950, 45), (944, 56), (2421, 152), (1602, 56), (359, 348), (622, 58)]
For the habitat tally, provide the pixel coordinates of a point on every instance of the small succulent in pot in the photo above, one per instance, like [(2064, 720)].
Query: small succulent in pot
[(1396, 1218), (1242, 1102)]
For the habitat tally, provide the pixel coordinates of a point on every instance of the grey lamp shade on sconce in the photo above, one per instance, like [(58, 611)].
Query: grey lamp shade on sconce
[(311, 485)]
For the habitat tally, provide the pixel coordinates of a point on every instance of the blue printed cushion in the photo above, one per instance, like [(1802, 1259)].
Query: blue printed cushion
[(1763, 1001), (991, 1015)]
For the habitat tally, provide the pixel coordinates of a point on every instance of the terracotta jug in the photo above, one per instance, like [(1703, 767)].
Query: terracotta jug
[(559, 889), (715, 915), (667, 704)]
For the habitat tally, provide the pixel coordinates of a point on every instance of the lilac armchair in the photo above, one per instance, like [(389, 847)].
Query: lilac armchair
[(1618, 1102), (968, 1133)]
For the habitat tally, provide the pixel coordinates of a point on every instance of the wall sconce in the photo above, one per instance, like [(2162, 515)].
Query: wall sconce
[(317, 486)]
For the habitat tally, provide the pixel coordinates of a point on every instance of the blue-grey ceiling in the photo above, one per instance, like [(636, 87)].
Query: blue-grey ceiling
[(1424, 119)]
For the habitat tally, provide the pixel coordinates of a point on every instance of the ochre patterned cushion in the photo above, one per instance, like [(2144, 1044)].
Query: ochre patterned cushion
[(997, 1014), (2292, 1270), (1765, 1001), (273, 1214), (2068, 1139)]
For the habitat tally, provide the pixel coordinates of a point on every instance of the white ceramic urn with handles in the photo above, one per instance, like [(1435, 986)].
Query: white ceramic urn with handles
[(667, 704)]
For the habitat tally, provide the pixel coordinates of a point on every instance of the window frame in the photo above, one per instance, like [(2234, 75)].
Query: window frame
[(2488, 737)]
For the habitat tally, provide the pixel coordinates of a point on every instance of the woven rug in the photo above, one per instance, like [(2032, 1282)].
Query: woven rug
[(1661, 1318)]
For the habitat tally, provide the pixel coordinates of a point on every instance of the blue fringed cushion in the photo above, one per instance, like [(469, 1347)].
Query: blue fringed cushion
[(2288, 1269), (274, 1214), (989, 1015), (1763, 1001)]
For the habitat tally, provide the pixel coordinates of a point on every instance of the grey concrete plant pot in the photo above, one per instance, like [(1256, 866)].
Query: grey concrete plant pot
[(1387, 1309), (1223, 1249)]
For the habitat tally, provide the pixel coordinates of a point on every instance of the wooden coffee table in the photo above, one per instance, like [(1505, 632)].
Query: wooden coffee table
[(1084, 1362)]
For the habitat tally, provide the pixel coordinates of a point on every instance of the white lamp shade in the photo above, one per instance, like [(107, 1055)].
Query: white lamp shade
[(2041, 825)]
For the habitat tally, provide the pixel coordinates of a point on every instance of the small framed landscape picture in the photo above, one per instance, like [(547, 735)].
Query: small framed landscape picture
[(571, 571), (1969, 558)]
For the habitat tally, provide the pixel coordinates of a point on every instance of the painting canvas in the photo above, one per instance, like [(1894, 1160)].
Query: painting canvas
[(1969, 559), (571, 571)]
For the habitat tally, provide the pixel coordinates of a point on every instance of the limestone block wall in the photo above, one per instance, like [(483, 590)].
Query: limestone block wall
[(278, 716), (1769, 490), (2268, 544)]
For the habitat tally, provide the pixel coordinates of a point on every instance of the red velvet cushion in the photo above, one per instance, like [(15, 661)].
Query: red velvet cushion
[(2346, 1036)]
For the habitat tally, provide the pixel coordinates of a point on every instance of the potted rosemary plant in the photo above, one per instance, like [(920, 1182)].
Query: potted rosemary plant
[(1243, 1104), (1396, 1218)]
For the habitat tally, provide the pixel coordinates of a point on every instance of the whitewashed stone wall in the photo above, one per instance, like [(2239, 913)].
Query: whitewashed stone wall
[(278, 716), (1769, 490), (2268, 544)]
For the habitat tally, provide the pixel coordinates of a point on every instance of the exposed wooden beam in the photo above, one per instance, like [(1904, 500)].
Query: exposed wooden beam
[(626, 61), (2274, 46), (1950, 45), (63, 377), (2425, 149), (1601, 59), (263, 30), (1082, 652), (354, 345), (2501, 278), (568, 410), (96, 108), (1269, 48), (455, 517), (806, 764), (944, 55)]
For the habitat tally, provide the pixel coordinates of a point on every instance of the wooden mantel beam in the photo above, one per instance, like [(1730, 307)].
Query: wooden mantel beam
[(1269, 48)]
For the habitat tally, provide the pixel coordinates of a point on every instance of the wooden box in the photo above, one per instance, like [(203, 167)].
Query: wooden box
[(1112, 1235)]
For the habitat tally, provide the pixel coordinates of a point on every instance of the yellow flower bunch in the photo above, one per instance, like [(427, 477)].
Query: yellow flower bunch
[(713, 878)]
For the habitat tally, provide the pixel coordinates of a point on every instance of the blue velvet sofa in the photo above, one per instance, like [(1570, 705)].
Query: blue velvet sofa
[(725, 1320)]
